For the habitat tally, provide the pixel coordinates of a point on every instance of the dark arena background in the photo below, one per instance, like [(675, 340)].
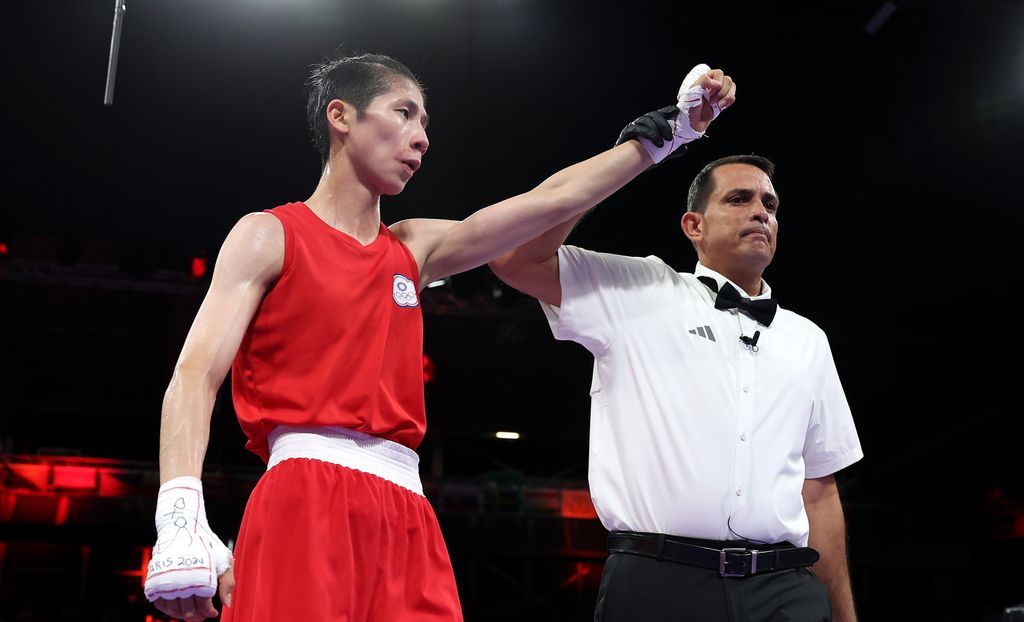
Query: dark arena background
[(897, 128)]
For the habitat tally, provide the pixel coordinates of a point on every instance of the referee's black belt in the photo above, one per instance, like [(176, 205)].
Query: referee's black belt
[(729, 561)]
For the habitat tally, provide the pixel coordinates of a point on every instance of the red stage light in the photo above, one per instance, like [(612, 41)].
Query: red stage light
[(61, 516), (8, 503), (428, 369), (36, 476), (3, 249), (74, 477), (111, 484), (198, 267), (577, 504), (147, 554)]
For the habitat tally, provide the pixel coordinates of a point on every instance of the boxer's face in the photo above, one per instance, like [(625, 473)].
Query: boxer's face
[(387, 144)]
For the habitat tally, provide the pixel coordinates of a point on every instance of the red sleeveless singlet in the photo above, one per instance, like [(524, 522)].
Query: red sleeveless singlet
[(337, 340)]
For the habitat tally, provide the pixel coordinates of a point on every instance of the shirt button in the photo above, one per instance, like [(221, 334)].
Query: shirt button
[(743, 437), (746, 389), (739, 492)]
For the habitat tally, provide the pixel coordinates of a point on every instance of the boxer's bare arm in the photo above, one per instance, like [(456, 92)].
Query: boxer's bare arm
[(446, 247), (249, 262), (442, 248)]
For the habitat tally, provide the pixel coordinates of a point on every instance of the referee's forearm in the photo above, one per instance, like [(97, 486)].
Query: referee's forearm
[(828, 537), (833, 572)]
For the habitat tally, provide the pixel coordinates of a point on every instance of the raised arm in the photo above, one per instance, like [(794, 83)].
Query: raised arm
[(249, 262), (498, 228), (453, 247)]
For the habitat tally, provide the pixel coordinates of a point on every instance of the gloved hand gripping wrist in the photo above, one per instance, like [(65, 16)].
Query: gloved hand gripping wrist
[(663, 131)]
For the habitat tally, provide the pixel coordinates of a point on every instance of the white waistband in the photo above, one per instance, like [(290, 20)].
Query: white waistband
[(356, 450)]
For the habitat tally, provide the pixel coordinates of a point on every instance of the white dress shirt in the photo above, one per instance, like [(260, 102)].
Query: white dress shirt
[(692, 432)]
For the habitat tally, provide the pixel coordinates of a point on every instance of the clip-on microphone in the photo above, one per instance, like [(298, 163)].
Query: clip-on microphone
[(751, 342)]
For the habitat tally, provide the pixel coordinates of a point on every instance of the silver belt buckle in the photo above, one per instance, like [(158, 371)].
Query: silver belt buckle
[(723, 562)]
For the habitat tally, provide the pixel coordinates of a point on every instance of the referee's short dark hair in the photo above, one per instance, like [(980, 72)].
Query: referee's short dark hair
[(704, 183)]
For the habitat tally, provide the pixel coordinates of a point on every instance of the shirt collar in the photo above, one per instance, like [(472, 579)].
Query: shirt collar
[(702, 270)]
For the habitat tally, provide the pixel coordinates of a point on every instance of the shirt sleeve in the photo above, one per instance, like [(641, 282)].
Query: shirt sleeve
[(832, 443), (600, 292)]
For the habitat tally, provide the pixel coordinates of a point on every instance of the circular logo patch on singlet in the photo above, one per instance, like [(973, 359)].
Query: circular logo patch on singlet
[(404, 291)]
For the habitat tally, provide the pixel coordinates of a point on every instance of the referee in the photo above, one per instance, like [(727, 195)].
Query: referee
[(717, 420)]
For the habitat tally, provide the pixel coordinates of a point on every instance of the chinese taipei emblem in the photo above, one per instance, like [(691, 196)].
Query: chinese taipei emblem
[(404, 291)]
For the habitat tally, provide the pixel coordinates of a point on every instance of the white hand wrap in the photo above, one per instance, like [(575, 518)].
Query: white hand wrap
[(188, 557), (689, 96)]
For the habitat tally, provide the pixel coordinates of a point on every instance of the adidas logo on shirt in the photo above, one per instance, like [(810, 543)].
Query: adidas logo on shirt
[(703, 331)]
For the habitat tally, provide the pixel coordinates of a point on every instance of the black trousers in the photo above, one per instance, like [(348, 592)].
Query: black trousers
[(635, 588)]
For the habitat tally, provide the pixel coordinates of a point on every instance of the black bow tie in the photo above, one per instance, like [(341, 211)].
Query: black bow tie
[(729, 298)]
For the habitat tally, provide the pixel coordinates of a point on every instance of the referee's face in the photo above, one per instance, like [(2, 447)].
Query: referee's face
[(740, 224)]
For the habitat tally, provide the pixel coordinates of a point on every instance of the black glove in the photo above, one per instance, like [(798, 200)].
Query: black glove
[(654, 127)]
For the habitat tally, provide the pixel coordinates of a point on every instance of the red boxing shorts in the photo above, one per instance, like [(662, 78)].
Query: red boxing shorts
[(329, 543)]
